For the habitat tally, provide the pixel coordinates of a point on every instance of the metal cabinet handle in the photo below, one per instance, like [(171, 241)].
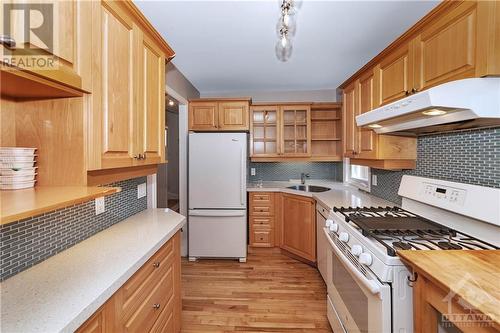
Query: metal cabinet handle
[(156, 264), (414, 90), (7, 41), (156, 306), (144, 156)]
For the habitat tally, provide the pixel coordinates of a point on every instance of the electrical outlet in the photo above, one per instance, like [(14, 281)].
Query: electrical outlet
[(252, 171), (374, 180), (141, 190), (99, 206)]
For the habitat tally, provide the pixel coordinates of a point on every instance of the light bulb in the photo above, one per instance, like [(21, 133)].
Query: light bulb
[(283, 49), (434, 112), (171, 102)]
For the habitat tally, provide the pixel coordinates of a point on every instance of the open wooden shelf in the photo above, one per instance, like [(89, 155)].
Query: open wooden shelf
[(324, 119), (326, 139), (20, 204), (19, 84)]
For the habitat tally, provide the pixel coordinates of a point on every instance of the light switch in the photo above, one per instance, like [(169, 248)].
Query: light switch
[(374, 180), (252, 171), (99, 206)]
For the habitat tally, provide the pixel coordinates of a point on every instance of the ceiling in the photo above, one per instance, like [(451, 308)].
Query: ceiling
[(224, 46)]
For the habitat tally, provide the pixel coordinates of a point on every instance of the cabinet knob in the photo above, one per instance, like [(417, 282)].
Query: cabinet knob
[(156, 306), (136, 157), (144, 156), (156, 264), (407, 92), (7, 41)]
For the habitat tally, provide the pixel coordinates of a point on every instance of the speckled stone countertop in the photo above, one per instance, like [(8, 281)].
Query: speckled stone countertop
[(59, 294), (339, 194)]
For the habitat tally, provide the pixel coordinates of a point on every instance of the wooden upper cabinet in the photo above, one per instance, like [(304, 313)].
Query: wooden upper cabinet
[(60, 61), (298, 230), (456, 40), (118, 86), (296, 130), (366, 102), (350, 128), (394, 75), (203, 116), (150, 131), (264, 131), (233, 116), (450, 48), (127, 117), (219, 115)]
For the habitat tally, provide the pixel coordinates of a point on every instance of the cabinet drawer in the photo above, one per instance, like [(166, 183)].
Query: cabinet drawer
[(143, 319), (262, 238), (261, 222), (165, 322), (262, 211), (262, 197), (136, 289)]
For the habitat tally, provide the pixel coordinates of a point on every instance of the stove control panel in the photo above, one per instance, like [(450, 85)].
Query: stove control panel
[(443, 194)]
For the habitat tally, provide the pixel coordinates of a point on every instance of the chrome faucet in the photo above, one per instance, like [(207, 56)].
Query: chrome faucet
[(303, 177)]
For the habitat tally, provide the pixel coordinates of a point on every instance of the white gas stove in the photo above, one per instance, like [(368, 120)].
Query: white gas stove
[(369, 288)]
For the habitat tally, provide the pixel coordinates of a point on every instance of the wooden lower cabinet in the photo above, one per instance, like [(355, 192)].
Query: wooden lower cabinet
[(298, 226), (262, 219), (150, 301)]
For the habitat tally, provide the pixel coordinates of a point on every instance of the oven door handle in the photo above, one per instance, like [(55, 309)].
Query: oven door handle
[(369, 284)]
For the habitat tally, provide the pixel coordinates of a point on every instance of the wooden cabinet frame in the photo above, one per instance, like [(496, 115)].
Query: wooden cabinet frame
[(219, 114)]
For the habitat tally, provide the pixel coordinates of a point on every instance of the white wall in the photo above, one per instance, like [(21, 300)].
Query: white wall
[(280, 96), (178, 82)]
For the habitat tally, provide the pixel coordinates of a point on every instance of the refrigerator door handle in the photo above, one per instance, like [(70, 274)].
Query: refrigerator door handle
[(242, 178), (217, 213)]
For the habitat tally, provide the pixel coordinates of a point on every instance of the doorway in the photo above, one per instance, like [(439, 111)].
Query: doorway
[(168, 174)]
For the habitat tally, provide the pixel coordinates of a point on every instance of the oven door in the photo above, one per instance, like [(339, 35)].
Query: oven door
[(361, 303)]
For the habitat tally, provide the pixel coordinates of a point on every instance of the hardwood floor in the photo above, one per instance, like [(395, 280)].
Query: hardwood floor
[(269, 293)]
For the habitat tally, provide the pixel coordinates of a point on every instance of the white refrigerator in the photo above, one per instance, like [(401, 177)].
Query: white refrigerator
[(217, 223)]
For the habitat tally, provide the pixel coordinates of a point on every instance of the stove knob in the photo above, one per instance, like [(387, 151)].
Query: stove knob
[(334, 227), (344, 236), (365, 259), (356, 250), (328, 223)]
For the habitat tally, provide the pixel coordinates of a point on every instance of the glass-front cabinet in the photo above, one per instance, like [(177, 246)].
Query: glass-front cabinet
[(296, 126), (264, 131), (280, 131)]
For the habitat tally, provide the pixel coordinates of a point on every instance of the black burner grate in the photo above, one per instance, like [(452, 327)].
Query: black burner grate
[(407, 230)]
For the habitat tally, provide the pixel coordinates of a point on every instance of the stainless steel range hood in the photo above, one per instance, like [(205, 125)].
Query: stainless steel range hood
[(454, 105)]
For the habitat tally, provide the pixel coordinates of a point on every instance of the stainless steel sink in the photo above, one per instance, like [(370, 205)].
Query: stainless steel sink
[(309, 188)]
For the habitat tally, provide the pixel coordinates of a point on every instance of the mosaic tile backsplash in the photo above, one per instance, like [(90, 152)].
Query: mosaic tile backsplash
[(471, 157), (284, 171), (28, 242)]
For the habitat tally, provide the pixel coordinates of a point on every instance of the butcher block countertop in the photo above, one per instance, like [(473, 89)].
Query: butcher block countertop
[(474, 275)]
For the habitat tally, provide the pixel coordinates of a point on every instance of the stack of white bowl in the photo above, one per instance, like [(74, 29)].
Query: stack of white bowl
[(17, 168)]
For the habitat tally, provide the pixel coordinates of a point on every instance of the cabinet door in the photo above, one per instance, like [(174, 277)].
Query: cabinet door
[(365, 98), (233, 116), (298, 227), (395, 75), (350, 128), (150, 130), (56, 35), (203, 116), (296, 130), (446, 50), (264, 131), (119, 40)]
